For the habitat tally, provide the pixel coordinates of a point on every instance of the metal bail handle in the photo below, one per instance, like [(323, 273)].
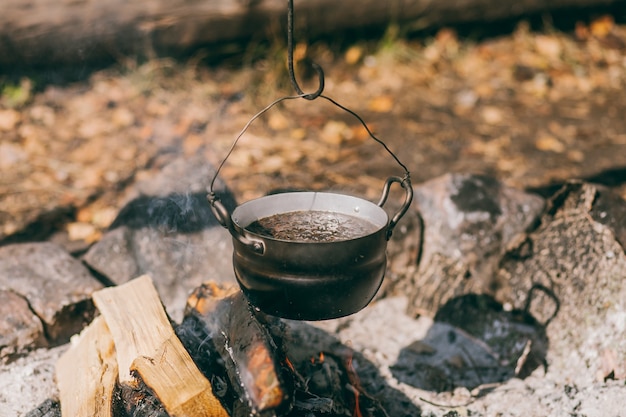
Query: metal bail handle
[(223, 217), (408, 189), (221, 213)]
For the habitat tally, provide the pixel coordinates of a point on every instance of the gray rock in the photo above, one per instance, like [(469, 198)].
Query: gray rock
[(168, 231), (56, 287), (574, 266), (20, 329), (468, 222)]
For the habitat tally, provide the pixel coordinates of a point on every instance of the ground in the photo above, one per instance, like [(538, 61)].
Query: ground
[(530, 108)]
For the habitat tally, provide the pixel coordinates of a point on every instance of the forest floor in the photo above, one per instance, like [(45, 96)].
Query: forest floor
[(530, 108)]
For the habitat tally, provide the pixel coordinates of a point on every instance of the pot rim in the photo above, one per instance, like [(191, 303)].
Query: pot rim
[(252, 210)]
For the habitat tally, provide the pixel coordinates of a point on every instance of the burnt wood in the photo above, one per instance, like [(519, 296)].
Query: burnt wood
[(233, 346)]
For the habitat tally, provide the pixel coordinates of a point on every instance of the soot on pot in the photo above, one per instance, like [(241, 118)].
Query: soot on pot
[(312, 226)]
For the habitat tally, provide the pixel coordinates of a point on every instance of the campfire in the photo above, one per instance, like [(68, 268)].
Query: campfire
[(487, 283), (224, 359)]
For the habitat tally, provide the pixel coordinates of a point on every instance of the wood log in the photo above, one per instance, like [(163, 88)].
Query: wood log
[(69, 32), (240, 341), (148, 351), (86, 374)]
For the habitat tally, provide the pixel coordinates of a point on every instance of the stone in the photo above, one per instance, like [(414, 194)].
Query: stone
[(20, 329), (569, 273), (56, 286), (468, 222), (167, 230)]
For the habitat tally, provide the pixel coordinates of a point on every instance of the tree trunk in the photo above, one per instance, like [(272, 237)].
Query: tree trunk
[(57, 32)]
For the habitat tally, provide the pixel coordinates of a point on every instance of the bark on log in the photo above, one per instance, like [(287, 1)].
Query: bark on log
[(69, 32)]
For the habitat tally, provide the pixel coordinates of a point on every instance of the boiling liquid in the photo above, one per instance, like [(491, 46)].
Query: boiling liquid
[(312, 226)]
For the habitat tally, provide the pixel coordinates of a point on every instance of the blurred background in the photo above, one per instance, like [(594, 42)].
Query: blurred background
[(95, 96)]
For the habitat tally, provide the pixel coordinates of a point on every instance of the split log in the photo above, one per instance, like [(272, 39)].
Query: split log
[(69, 32), (87, 372), (150, 354)]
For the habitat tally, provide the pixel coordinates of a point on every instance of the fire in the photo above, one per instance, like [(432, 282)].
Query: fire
[(355, 383), (289, 364), (319, 360)]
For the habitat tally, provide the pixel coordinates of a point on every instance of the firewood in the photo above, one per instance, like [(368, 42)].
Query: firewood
[(148, 351), (240, 337), (87, 372)]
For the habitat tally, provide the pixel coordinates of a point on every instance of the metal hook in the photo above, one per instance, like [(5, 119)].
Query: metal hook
[(292, 76), (405, 181)]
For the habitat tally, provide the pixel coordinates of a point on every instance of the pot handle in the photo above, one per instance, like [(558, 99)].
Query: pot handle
[(408, 189), (223, 217)]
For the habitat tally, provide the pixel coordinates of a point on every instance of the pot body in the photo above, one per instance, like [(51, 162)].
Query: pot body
[(309, 280)]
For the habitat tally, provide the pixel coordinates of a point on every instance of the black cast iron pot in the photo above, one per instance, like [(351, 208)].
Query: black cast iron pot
[(306, 280)]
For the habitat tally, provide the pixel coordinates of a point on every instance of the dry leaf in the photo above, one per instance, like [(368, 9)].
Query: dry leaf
[(353, 55), (9, 119), (381, 104), (602, 26), (549, 143), (82, 231), (491, 115), (548, 46), (334, 132), (122, 117)]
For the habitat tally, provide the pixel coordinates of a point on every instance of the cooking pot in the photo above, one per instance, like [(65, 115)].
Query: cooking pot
[(311, 280)]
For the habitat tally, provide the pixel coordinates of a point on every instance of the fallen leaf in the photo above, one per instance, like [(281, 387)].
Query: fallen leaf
[(104, 217), (491, 115), (548, 143), (381, 104), (602, 26), (81, 231), (334, 132), (122, 117), (9, 118), (548, 46), (277, 121), (10, 155), (353, 55)]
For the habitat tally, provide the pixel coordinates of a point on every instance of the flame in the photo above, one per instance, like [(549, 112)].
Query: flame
[(355, 383), (319, 360), (289, 364)]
